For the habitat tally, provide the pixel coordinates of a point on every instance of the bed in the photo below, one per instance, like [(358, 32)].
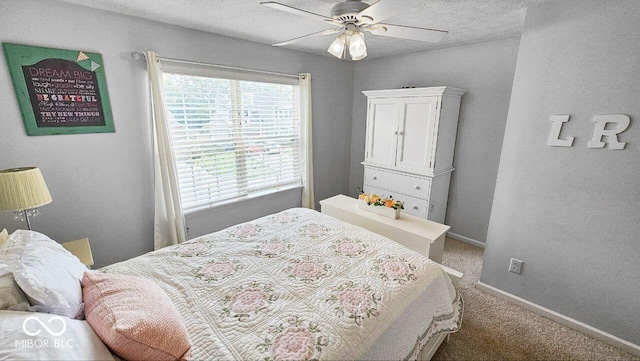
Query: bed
[(302, 285)]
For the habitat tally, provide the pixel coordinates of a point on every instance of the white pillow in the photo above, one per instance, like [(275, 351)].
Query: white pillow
[(11, 249), (18, 339), (47, 273), (11, 296), (3, 236), (10, 252)]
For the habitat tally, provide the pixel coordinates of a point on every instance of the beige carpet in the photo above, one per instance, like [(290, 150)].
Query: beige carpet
[(493, 329)]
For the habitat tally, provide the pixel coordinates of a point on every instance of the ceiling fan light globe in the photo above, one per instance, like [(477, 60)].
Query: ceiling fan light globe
[(357, 46), (359, 56), (337, 47)]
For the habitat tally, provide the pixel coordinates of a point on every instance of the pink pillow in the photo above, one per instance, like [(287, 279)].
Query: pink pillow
[(134, 317)]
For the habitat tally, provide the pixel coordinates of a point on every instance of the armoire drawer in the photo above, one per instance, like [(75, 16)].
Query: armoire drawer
[(414, 206), (405, 184)]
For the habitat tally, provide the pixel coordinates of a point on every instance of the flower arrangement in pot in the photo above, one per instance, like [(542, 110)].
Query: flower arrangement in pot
[(387, 207)]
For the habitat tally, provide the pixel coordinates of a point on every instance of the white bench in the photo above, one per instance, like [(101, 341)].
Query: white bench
[(418, 234)]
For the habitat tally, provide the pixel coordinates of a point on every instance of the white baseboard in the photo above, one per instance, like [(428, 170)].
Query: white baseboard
[(561, 319), (464, 239)]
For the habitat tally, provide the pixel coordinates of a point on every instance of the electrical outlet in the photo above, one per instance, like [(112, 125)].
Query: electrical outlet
[(515, 266)]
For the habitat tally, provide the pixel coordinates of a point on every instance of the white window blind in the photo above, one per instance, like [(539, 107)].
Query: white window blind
[(233, 137)]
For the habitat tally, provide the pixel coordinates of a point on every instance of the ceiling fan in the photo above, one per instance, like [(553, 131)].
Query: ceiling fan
[(353, 17)]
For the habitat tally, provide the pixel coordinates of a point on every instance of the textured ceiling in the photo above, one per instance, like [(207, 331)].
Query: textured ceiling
[(468, 21)]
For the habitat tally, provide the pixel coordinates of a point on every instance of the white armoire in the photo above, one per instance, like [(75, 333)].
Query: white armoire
[(410, 141)]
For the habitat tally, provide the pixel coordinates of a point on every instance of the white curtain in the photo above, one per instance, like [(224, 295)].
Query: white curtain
[(307, 143), (169, 220)]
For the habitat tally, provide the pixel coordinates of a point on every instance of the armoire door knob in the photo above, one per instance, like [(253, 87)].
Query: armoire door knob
[(415, 207)]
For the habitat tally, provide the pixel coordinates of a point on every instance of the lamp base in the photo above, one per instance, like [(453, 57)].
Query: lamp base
[(23, 216)]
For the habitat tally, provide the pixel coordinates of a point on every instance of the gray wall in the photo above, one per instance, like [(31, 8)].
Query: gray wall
[(572, 214), (486, 70), (102, 183)]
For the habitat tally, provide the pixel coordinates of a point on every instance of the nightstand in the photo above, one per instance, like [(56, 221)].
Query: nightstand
[(81, 249), (418, 234)]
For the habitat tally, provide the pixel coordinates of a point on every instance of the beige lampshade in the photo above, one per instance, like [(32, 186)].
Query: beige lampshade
[(23, 188)]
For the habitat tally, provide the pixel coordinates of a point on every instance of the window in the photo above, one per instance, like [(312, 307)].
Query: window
[(234, 134)]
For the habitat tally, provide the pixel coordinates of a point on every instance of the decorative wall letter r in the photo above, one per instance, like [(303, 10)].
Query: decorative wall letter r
[(621, 124)]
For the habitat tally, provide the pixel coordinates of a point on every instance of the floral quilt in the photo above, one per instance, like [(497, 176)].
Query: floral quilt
[(299, 285)]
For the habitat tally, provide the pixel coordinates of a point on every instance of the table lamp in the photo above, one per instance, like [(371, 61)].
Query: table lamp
[(22, 190)]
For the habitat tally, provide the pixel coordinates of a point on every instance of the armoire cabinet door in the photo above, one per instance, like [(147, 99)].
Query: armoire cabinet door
[(382, 125), (416, 133)]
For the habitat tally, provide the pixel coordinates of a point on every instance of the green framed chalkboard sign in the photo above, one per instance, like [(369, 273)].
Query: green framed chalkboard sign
[(59, 91)]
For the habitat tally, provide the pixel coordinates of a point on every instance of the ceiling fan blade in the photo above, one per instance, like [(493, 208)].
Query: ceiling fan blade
[(324, 32), (407, 32), (296, 11), (384, 9)]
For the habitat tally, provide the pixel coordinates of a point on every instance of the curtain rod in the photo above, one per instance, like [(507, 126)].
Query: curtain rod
[(139, 56)]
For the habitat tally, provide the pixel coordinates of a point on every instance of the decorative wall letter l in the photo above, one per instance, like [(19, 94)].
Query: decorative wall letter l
[(556, 127), (622, 123)]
